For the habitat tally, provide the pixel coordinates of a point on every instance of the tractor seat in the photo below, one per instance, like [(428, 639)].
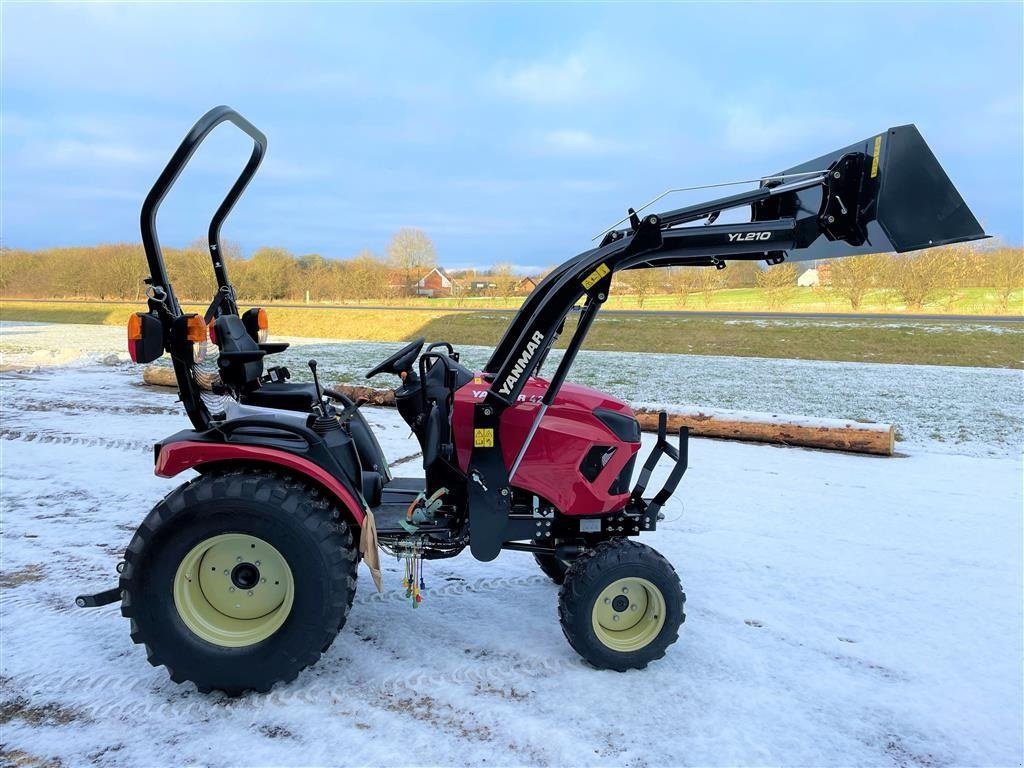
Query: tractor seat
[(241, 368), (283, 395)]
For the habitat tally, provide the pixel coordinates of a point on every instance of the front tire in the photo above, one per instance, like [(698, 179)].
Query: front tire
[(621, 605), (238, 580)]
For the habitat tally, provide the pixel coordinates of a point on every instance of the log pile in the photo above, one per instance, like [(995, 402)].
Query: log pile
[(830, 434)]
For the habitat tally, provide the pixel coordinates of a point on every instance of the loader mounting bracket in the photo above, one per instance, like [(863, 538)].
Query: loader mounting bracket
[(840, 215)]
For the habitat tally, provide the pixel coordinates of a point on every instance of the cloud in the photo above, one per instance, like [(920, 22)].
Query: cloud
[(576, 142), (749, 130), (83, 153), (547, 82)]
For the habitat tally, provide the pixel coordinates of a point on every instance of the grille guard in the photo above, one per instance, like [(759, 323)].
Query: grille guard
[(650, 508)]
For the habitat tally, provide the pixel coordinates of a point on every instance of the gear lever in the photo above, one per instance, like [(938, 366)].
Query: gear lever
[(319, 407)]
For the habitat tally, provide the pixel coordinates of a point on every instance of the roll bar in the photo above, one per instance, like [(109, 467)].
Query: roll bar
[(158, 279)]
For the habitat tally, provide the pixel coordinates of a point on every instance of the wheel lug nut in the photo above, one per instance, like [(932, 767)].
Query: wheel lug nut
[(615, 617), (625, 590), (250, 593), (263, 581), (231, 589), (607, 601), (226, 572), (632, 607), (257, 563), (238, 559)]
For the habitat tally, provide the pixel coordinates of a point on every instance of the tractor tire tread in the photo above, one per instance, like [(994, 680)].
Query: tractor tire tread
[(305, 501), (584, 578)]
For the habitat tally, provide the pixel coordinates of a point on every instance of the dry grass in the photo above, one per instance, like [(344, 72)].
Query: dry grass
[(989, 345)]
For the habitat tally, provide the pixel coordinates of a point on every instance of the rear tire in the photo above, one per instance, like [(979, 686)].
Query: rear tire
[(621, 605), (238, 625)]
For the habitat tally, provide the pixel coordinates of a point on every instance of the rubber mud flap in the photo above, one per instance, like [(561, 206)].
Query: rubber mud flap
[(486, 479)]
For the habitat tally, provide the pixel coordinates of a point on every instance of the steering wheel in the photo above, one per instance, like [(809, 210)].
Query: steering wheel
[(401, 361)]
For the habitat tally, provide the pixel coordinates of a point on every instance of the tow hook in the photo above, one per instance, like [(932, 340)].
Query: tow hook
[(100, 598)]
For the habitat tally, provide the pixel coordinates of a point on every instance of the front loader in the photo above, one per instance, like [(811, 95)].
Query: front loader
[(243, 575)]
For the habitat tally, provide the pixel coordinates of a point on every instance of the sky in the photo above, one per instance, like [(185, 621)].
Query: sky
[(508, 133)]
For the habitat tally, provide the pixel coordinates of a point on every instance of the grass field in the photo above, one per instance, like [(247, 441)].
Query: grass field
[(966, 301), (990, 345)]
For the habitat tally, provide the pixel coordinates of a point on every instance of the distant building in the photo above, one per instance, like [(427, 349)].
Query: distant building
[(809, 279), (526, 285), (436, 283)]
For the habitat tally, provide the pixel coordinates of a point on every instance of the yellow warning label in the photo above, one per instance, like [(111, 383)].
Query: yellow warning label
[(478, 379), (596, 275), (874, 157), (483, 438)]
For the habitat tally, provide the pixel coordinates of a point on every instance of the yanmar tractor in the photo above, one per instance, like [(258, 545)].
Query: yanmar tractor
[(243, 575)]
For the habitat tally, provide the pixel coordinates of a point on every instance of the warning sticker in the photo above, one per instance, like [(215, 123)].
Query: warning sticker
[(596, 275), (483, 438), (874, 156)]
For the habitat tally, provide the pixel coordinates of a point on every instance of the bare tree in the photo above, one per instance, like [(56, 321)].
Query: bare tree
[(741, 274), (411, 250), (644, 282), (682, 282), (271, 271), (777, 284), (312, 277), (709, 280), (853, 277), (1006, 274), (917, 277)]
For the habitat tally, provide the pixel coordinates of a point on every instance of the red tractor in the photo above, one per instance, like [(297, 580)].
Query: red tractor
[(243, 575)]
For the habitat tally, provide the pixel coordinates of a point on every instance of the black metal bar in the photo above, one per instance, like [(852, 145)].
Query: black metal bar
[(572, 349), (100, 598), (150, 242), (522, 546)]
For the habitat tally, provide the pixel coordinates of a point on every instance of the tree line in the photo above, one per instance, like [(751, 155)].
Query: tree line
[(936, 275), (116, 271)]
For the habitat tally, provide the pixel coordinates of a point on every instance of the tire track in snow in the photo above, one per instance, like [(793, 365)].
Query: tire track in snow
[(456, 588), (124, 691), (43, 406), (57, 438)]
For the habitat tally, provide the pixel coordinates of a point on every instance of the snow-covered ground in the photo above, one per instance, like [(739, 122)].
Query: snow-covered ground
[(976, 411), (842, 610)]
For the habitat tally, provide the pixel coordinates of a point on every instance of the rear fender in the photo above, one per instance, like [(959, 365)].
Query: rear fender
[(176, 457)]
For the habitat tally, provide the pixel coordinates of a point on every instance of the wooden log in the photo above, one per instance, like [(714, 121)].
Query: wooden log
[(830, 434), (159, 376), (373, 396)]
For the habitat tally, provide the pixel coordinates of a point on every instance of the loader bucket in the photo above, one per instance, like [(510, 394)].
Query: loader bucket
[(905, 201)]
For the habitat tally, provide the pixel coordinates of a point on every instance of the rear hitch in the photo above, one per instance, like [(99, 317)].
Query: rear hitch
[(100, 598)]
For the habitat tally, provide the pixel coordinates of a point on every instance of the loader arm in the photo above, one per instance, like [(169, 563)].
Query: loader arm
[(886, 193)]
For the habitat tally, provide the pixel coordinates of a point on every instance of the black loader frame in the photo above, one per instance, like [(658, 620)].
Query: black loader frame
[(887, 193)]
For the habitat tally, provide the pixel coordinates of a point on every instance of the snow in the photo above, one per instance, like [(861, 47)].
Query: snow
[(978, 411), (842, 610)]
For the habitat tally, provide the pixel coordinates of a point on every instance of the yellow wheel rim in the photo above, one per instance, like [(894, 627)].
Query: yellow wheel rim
[(233, 590), (629, 614)]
